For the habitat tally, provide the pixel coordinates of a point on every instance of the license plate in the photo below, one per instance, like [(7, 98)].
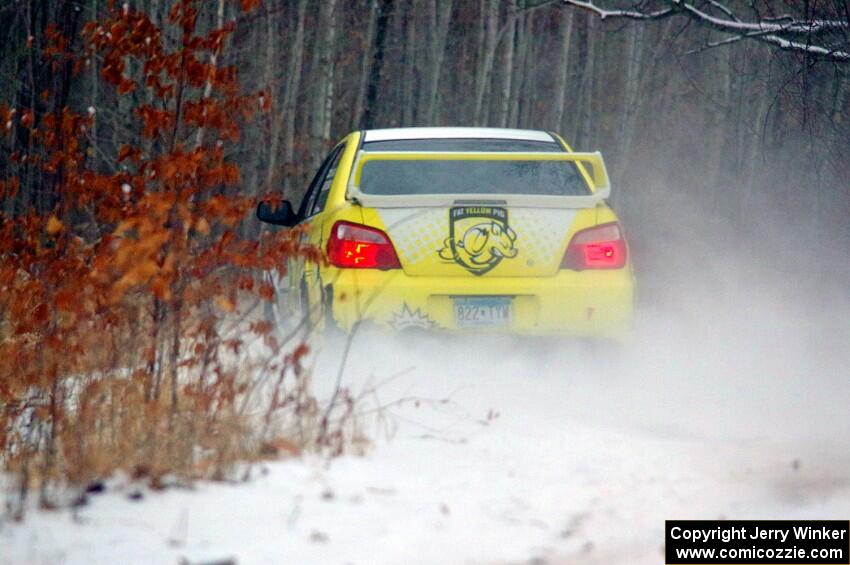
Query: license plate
[(481, 311)]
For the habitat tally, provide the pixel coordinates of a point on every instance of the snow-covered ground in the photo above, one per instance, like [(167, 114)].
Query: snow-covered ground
[(517, 451)]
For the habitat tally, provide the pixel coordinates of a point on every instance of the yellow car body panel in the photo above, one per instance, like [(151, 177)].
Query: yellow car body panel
[(545, 299)]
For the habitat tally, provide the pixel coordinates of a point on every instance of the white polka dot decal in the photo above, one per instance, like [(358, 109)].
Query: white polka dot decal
[(419, 233)]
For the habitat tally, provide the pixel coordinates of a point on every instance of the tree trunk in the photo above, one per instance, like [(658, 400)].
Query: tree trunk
[(439, 15), (753, 146), (522, 70), (506, 97), (565, 32), (583, 129), (634, 66), (271, 84), (213, 62), (482, 79), (293, 85), (365, 66), (408, 90), (381, 24), (321, 83)]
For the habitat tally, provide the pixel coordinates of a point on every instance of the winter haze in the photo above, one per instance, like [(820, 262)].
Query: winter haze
[(730, 400)]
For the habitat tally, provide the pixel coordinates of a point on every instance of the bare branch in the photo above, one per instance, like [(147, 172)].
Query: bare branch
[(724, 9), (811, 36), (628, 14)]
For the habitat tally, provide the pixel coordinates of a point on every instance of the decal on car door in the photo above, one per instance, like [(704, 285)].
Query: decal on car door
[(479, 238)]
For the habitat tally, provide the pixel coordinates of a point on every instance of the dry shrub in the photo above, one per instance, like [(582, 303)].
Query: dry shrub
[(116, 285)]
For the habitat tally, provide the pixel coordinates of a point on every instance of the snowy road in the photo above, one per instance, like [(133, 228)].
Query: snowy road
[(518, 451)]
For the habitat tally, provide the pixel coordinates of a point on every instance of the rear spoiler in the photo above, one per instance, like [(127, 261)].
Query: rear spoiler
[(590, 165)]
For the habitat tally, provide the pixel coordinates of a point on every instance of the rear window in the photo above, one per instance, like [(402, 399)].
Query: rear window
[(414, 177)]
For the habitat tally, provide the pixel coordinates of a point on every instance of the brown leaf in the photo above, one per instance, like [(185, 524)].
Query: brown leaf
[(41, 313), (224, 303), (54, 225), (202, 226), (27, 119), (160, 287), (266, 291), (127, 152), (126, 86)]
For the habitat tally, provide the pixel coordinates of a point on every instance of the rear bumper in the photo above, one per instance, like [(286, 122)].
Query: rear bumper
[(584, 304)]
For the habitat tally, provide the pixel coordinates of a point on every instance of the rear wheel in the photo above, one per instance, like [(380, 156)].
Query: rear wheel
[(331, 326), (304, 299), (319, 315)]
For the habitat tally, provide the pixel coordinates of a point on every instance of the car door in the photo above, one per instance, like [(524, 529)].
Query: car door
[(304, 278)]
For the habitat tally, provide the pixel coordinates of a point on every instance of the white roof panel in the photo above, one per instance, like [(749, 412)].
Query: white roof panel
[(455, 133)]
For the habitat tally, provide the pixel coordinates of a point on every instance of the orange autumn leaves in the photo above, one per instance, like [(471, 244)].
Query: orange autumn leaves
[(123, 273)]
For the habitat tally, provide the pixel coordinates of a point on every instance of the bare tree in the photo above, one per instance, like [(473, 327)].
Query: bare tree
[(322, 71), (293, 86), (439, 16), (490, 9), (764, 124), (562, 67), (366, 64)]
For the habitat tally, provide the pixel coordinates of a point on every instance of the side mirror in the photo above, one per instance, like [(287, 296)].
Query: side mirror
[(281, 215)]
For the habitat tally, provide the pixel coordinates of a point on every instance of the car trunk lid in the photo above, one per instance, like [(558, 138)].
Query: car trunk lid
[(478, 239)]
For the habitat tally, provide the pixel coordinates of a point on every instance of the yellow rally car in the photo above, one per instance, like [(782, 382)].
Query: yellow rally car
[(462, 229)]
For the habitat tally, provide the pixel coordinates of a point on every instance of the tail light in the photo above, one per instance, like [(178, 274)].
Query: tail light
[(599, 247), (355, 246)]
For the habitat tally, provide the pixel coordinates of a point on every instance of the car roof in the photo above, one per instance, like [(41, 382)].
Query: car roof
[(392, 134)]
